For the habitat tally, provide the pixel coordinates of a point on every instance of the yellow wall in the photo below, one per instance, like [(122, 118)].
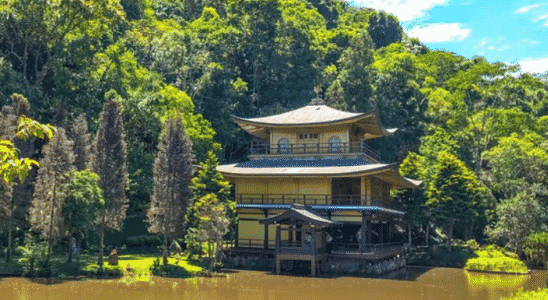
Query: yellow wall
[(324, 134)]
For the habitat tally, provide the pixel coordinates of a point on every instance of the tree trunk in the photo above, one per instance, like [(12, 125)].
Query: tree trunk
[(450, 236), (101, 247), (409, 235), (69, 257), (10, 233), (210, 256), (427, 234), (164, 255)]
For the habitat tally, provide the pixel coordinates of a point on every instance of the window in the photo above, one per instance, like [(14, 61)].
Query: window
[(335, 144), (308, 136), (283, 145)]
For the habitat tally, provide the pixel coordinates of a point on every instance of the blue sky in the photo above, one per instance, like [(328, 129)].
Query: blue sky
[(507, 31)]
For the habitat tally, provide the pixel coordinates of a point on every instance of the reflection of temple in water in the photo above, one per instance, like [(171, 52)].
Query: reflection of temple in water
[(314, 191)]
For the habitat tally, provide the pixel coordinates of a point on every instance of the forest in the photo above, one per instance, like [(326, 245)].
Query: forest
[(474, 131)]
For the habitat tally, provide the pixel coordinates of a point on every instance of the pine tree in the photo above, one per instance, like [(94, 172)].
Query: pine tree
[(13, 198), (172, 177), (51, 188), (109, 162), (454, 194), (210, 181), (80, 136)]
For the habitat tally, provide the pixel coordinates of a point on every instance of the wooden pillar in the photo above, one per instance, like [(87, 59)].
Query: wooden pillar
[(313, 267), (390, 231), (363, 190), (363, 230), (266, 230), (278, 238), (382, 233), (329, 215), (236, 232), (368, 189)]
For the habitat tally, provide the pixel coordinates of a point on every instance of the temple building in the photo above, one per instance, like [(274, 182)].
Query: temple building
[(314, 191)]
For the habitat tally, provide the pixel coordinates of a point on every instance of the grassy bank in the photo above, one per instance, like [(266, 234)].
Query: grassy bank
[(139, 266), (540, 294)]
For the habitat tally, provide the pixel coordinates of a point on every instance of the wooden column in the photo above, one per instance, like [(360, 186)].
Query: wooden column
[(389, 232), (382, 233), (363, 190), (364, 230), (278, 238), (329, 215), (266, 230), (236, 233), (368, 189)]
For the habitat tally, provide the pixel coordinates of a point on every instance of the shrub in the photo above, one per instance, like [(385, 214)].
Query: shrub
[(108, 270), (143, 241), (496, 259), (530, 295)]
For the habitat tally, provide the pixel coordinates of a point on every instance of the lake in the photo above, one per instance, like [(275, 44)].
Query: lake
[(409, 283)]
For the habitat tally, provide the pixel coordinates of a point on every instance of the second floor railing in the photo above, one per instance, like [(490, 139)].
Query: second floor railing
[(314, 148), (317, 199)]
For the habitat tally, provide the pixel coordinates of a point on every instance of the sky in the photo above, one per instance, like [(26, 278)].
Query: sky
[(512, 32)]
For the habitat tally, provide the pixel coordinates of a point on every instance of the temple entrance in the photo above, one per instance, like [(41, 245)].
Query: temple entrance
[(346, 191)]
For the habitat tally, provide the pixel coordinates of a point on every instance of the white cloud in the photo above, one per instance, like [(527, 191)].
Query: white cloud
[(527, 8), (405, 10), (545, 16), (534, 65), (528, 41), (441, 32)]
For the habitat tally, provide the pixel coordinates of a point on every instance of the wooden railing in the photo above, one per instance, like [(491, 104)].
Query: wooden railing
[(316, 199), (254, 243), (314, 148)]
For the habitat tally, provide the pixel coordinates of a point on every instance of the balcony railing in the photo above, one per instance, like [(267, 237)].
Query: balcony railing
[(313, 148), (317, 199)]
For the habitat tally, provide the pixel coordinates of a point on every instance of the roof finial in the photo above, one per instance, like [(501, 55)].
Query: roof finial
[(318, 100)]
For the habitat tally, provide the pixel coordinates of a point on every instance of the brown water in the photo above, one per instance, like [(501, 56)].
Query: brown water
[(415, 283)]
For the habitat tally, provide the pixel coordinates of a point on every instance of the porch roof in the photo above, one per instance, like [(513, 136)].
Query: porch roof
[(318, 168), (299, 215)]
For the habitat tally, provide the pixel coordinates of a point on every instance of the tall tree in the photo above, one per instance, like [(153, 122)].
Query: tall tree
[(210, 181), (15, 191), (51, 188), (109, 162), (454, 193), (80, 137), (172, 176)]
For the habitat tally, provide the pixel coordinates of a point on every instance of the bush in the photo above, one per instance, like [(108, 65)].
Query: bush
[(108, 270), (530, 295), (496, 259), (143, 241)]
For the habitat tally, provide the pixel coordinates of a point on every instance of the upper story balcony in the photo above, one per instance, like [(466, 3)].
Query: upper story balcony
[(313, 149), (319, 199)]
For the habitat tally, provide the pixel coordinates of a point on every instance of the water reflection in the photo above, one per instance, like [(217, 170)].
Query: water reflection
[(410, 283)]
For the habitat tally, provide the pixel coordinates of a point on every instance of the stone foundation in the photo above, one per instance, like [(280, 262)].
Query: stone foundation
[(365, 267), (249, 261)]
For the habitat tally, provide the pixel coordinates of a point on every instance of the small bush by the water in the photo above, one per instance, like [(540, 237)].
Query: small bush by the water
[(540, 294), (93, 269), (440, 256), (495, 259)]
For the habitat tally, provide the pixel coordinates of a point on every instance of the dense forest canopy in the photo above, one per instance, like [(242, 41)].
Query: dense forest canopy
[(211, 59)]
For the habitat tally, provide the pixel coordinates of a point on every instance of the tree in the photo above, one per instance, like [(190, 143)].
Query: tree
[(518, 217), (172, 176), (51, 188), (210, 181), (536, 247), (14, 169), (109, 162), (454, 194), (212, 225), (80, 137), (85, 200), (413, 200)]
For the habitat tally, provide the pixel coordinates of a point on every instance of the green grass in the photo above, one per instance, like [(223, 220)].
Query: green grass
[(492, 259), (540, 294)]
